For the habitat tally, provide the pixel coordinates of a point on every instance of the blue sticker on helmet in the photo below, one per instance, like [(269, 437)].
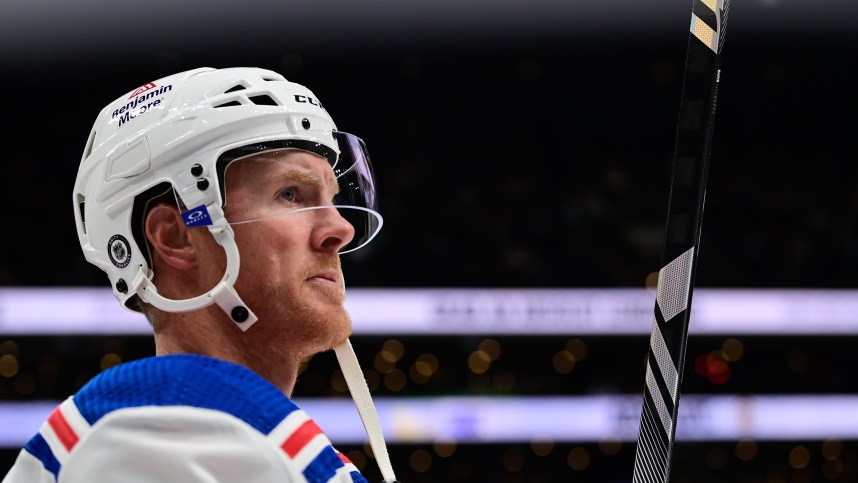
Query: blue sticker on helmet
[(198, 216)]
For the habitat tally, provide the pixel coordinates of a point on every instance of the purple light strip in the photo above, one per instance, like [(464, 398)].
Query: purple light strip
[(84, 311)]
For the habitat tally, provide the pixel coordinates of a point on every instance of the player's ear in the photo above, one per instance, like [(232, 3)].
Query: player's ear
[(169, 238)]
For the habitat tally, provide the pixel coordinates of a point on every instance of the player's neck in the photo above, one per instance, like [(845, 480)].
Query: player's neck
[(204, 333)]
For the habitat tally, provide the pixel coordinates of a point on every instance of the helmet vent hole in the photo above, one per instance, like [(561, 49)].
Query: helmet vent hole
[(238, 87), (263, 100), (228, 104), (81, 204)]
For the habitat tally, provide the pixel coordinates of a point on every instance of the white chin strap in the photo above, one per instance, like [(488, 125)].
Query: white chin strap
[(363, 401), (223, 294)]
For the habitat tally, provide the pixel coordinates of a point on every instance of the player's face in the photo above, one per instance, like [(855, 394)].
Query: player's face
[(290, 273)]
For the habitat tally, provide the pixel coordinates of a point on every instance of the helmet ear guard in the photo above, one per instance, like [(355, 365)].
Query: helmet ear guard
[(223, 294)]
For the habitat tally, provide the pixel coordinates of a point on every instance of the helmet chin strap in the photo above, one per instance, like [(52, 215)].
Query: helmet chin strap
[(363, 402), (223, 294)]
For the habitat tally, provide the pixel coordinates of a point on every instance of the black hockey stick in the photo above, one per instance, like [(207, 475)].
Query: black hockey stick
[(666, 357)]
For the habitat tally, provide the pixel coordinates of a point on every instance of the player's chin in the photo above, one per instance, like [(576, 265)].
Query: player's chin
[(340, 324), (338, 341)]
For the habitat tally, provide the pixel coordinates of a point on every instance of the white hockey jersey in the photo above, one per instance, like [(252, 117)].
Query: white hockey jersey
[(180, 418)]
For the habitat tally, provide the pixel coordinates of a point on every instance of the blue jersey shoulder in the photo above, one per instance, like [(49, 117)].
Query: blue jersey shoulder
[(185, 380)]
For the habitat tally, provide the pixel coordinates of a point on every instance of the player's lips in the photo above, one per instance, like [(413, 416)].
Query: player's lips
[(325, 277), (329, 283)]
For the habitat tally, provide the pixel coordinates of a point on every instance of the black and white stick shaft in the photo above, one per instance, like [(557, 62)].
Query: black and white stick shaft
[(666, 357)]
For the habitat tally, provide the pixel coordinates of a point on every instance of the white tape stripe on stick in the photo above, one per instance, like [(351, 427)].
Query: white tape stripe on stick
[(665, 362), (655, 392), (704, 33), (674, 285)]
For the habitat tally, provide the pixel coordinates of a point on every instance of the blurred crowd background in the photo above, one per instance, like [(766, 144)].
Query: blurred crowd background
[(534, 153), (522, 145)]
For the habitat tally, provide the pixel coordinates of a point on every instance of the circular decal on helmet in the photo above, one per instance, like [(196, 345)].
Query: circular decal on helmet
[(119, 251)]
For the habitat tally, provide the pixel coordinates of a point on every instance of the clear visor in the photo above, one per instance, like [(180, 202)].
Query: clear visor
[(291, 183)]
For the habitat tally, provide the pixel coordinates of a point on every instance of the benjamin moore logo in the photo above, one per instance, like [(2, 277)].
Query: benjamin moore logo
[(198, 216), (141, 101)]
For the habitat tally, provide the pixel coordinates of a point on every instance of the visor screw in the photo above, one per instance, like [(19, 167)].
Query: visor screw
[(121, 286), (197, 169), (239, 314), (202, 184), (305, 123)]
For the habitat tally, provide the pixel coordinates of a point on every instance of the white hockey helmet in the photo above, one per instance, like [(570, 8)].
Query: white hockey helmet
[(174, 138)]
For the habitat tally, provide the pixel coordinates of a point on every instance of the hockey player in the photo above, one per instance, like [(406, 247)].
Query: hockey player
[(218, 203)]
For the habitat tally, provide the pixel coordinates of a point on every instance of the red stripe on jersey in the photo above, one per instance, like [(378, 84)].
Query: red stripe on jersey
[(343, 458), (295, 443), (61, 427)]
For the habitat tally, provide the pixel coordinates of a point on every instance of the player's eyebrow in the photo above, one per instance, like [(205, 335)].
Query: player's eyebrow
[(309, 178)]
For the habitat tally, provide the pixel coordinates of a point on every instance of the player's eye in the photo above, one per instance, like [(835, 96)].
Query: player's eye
[(289, 194)]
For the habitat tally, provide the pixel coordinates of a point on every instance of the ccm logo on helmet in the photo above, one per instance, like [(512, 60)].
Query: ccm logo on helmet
[(307, 100), (131, 110)]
